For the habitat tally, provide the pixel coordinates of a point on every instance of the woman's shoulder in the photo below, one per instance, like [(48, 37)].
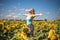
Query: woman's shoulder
[(29, 15)]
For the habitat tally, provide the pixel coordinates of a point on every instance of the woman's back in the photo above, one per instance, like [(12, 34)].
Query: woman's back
[(29, 20)]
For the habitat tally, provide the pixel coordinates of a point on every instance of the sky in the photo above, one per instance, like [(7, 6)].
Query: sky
[(13, 9)]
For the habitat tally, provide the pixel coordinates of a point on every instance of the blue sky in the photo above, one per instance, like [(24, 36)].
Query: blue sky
[(13, 9)]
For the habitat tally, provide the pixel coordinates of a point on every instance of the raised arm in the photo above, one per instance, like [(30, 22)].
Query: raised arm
[(38, 14)]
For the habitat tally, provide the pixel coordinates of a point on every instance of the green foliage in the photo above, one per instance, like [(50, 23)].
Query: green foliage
[(12, 29)]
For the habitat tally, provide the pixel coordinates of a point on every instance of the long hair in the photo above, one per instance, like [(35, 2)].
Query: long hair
[(31, 10)]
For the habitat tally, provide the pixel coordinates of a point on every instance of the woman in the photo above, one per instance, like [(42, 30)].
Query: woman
[(29, 19)]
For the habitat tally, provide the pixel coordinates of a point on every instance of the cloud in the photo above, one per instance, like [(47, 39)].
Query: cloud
[(13, 15), (1, 4), (59, 9), (45, 17), (23, 9), (48, 12), (1, 9), (58, 12), (10, 15), (19, 3), (9, 10), (2, 16), (14, 7)]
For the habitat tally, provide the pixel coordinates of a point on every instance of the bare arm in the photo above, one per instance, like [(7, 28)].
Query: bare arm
[(38, 14)]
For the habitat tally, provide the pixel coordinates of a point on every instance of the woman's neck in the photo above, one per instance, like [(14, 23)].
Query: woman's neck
[(31, 13)]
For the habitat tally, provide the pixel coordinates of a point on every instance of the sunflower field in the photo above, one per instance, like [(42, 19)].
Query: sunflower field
[(17, 29)]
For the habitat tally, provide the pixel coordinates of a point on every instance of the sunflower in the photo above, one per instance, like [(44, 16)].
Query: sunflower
[(26, 30)]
